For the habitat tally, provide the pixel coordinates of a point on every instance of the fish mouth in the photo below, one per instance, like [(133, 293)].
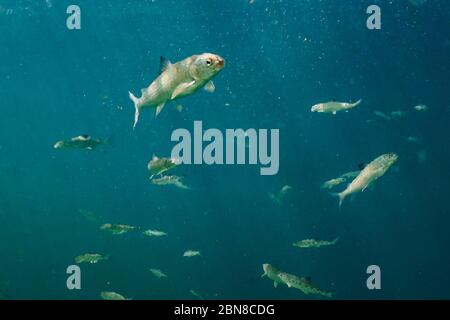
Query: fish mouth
[(220, 62)]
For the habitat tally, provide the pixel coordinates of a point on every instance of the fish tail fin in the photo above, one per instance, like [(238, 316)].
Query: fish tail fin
[(137, 106), (341, 197), (336, 240), (358, 102)]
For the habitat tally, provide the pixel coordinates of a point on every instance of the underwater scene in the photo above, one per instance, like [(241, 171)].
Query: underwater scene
[(216, 150)]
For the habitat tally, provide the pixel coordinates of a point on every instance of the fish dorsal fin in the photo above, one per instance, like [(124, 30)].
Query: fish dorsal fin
[(164, 64), (361, 166), (155, 157)]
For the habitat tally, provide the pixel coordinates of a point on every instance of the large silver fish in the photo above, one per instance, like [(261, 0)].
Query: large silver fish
[(178, 80), (368, 175)]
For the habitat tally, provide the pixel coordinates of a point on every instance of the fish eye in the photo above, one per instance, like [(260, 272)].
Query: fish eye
[(208, 62)]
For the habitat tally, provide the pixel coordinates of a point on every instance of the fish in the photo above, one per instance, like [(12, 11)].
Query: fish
[(157, 166), (84, 142), (158, 273), (154, 233), (111, 295), (272, 273), (117, 229), (334, 106), (191, 253), (169, 180), (90, 258), (196, 294), (178, 80), (414, 139), (371, 172), (279, 196), (421, 108), (332, 183), (381, 115), (303, 284), (352, 174), (397, 114), (313, 243), (337, 181)]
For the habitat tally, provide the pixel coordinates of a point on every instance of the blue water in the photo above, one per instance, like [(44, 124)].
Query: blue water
[(282, 57)]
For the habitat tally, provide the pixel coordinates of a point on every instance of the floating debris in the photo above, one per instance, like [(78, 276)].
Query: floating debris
[(191, 253), (154, 233), (158, 273), (90, 258), (85, 142), (117, 229), (313, 243)]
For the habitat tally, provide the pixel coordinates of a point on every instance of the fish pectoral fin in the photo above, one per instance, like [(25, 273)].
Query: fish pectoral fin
[(275, 284), (334, 112), (159, 109), (263, 275), (289, 285), (210, 87), (182, 88)]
